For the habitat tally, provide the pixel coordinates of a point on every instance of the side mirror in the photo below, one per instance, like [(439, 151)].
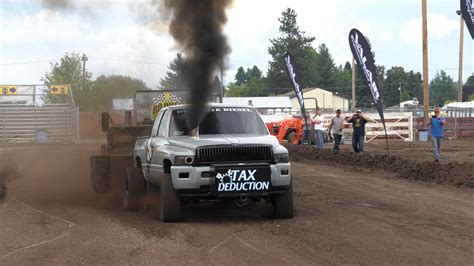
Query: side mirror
[(105, 119)]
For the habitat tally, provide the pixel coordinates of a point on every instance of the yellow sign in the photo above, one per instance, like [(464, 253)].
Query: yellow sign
[(163, 100), (8, 90), (58, 89)]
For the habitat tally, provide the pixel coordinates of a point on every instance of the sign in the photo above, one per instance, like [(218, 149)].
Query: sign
[(467, 11), (242, 179), (163, 100), (58, 89), (8, 90), (360, 49), (295, 81)]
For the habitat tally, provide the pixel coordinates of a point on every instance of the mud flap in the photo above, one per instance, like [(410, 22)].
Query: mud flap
[(100, 173)]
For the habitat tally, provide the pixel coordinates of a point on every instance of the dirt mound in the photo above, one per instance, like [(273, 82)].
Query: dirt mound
[(458, 174)]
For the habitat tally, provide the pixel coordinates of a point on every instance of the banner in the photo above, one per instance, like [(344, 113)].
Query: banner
[(467, 11), (8, 90), (295, 80), (58, 89), (365, 62)]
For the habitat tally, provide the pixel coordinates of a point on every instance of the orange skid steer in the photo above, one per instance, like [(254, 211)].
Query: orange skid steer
[(289, 129)]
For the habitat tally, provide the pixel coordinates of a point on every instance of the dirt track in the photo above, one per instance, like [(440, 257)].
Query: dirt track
[(342, 216)]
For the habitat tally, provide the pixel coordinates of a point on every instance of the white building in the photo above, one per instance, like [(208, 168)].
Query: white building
[(317, 97), (264, 105)]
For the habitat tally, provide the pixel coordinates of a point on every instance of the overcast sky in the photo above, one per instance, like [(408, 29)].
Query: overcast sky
[(119, 36)]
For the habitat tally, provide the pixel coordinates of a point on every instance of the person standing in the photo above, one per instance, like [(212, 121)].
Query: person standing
[(307, 128), (335, 128), (358, 121), (437, 132), (318, 121)]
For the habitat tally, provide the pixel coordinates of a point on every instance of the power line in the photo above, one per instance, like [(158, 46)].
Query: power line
[(30, 62), (128, 61)]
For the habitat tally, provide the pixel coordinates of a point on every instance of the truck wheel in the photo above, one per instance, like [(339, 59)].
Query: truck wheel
[(283, 204), (170, 202), (133, 189), (100, 173), (3, 192)]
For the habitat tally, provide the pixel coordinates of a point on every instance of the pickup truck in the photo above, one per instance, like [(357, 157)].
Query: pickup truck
[(230, 155)]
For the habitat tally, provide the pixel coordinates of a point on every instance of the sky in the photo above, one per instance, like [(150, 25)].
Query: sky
[(129, 37)]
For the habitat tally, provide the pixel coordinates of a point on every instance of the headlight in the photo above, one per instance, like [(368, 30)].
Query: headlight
[(281, 158), (183, 160)]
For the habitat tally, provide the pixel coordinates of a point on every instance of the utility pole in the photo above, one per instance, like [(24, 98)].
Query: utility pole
[(400, 89), (461, 45), (353, 86), (222, 80), (84, 59), (426, 91)]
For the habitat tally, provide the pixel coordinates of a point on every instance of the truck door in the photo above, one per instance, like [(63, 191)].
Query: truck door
[(155, 147)]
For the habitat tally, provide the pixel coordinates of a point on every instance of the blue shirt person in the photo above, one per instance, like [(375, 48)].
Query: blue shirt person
[(437, 133)]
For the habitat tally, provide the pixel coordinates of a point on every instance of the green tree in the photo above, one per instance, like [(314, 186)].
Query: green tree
[(325, 69), (254, 72), (69, 71), (174, 76), (240, 76), (396, 80), (115, 86), (293, 40), (248, 82), (442, 89), (468, 89), (343, 80)]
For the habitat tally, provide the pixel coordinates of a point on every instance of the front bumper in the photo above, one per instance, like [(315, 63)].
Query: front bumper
[(194, 178)]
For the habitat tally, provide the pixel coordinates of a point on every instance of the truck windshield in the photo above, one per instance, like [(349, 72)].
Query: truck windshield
[(220, 120)]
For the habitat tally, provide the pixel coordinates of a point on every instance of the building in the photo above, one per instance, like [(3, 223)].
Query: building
[(264, 105), (316, 97)]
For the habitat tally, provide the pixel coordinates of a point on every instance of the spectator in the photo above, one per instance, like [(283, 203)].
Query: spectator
[(358, 121), (307, 128), (335, 127), (437, 131), (318, 121)]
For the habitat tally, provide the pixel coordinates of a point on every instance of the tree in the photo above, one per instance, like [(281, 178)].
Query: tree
[(247, 83), (468, 89), (254, 87), (240, 76), (69, 71), (293, 40), (343, 80), (395, 81), (325, 70), (115, 86), (442, 89), (174, 76)]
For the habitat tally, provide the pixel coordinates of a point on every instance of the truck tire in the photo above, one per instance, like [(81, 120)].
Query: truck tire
[(100, 173), (133, 189), (3, 192), (283, 204), (170, 201)]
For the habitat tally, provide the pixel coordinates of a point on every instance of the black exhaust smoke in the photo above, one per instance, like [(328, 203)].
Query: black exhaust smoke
[(197, 27)]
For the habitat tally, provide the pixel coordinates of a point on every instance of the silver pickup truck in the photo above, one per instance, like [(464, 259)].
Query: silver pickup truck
[(230, 155)]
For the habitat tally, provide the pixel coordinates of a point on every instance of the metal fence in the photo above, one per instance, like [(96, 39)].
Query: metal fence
[(30, 124)]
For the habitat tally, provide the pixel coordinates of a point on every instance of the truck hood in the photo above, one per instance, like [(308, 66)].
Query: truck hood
[(192, 143)]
